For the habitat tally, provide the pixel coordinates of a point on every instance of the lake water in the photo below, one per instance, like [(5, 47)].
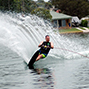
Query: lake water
[(49, 73), (66, 67)]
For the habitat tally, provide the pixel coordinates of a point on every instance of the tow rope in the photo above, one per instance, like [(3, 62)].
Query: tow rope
[(72, 51)]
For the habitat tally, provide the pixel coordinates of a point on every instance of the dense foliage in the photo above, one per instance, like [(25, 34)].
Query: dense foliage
[(27, 6), (41, 12), (23, 5), (17, 5), (6, 4), (78, 8), (84, 23)]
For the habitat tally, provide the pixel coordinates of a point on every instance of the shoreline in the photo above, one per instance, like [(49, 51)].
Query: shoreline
[(77, 30), (74, 32)]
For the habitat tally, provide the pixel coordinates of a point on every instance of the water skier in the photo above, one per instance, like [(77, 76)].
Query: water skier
[(45, 48)]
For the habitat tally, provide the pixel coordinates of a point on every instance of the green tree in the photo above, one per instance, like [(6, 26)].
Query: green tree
[(48, 5), (41, 5), (78, 8), (41, 12), (41, 1), (84, 23), (18, 5), (33, 6), (24, 5), (6, 4)]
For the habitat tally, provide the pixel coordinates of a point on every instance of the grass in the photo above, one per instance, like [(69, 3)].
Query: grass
[(82, 28), (88, 27), (72, 30)]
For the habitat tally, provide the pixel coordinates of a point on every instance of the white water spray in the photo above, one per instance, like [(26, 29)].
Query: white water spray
[(23, 35)]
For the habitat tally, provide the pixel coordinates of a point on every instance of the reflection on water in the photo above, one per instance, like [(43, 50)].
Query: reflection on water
[(43, 78), (82, 75), (63, 74)]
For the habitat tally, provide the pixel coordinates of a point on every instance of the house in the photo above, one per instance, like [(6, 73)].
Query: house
[(60, 20)]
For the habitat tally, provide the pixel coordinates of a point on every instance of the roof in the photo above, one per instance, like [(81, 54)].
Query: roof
[(56, 15)]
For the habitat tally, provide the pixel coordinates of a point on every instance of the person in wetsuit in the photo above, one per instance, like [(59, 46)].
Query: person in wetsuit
[(45, 48)]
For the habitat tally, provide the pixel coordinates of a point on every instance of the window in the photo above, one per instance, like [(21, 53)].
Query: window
[(63, 23), (55, 23)]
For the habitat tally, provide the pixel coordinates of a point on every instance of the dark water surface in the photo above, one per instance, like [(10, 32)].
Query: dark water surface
[(50, 73)]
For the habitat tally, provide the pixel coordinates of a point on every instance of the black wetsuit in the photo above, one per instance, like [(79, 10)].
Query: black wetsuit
[(44, 50)]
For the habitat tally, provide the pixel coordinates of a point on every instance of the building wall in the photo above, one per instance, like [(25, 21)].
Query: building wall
[(64, 23)]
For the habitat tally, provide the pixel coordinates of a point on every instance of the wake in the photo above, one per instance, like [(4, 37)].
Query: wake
[(23, 35)]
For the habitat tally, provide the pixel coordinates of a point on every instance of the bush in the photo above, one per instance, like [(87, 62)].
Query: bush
[(41, 12), (84, 23)]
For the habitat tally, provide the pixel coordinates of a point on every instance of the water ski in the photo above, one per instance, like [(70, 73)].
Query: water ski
[(33, 59)]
